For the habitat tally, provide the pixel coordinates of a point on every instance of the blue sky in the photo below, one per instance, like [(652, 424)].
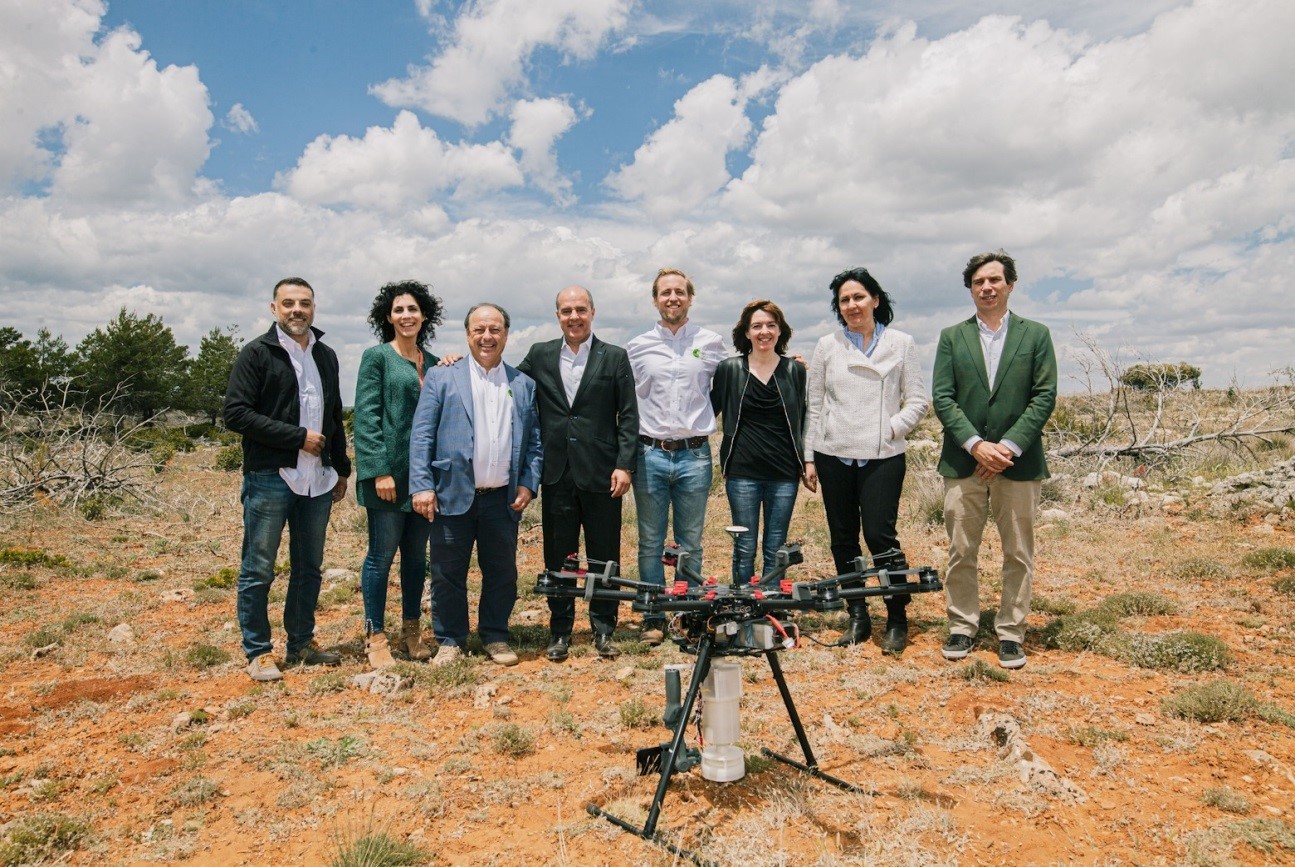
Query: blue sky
[(177, 158)]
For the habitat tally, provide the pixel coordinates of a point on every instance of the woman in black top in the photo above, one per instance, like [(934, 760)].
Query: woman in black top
[(760, 395)]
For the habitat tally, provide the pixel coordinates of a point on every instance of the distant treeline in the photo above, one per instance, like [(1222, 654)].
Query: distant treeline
[(133, 361)]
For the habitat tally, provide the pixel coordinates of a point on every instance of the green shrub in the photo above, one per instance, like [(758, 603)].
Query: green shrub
[(18, 581), (38, 839), (206, 656), (225, 579), (636, 715), (513, 740), (980, 670), (1088, 630), (1188, 652), (16, 556), (1145, 604), (332, 681), (1216, 701), (1225, 799), (1200, 567), (1091, 736), (230, 458), (199, 790), (1270, 559), (377, 850), (1059, 606)]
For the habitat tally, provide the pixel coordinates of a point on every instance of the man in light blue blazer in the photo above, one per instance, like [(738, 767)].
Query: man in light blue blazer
[(474, 465)]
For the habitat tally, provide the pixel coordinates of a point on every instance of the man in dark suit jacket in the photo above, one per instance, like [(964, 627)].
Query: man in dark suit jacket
[(474, 464), (994, 387), (589, 424)]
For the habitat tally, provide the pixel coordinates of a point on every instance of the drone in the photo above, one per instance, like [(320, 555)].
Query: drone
[(713, 620)]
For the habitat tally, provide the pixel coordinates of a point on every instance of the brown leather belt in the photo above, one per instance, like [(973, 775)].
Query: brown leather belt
[(674, 445)]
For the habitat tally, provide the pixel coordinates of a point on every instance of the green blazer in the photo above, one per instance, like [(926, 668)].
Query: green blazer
[(386, 394), (1016, 406)]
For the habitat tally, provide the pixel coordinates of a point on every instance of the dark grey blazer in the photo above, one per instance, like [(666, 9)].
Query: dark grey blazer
[(598, 431)]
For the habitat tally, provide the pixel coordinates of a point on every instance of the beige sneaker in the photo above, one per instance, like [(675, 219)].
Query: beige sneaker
[(448, 654), (263, 669), (411, 639), (375, 647), (501, 653)]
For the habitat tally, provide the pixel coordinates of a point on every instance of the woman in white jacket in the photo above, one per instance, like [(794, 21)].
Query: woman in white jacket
[(865, 394)]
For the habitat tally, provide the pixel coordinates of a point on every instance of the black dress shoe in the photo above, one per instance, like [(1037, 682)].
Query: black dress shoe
[(857, 631), (895, 639), (558, 648), (603, 644)]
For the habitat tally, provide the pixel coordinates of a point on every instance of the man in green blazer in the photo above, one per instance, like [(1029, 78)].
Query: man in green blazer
[(993, 389)]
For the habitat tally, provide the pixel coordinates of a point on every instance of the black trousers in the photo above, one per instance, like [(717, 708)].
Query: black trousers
[(564, 510), (863, 499)]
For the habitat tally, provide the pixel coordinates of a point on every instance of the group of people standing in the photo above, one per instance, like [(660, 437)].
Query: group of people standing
[(451, 452)]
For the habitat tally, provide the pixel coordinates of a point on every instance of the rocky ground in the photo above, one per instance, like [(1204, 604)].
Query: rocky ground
[(130, 734)]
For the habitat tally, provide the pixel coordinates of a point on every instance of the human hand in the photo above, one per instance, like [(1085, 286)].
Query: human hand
[(810, 476), (339, 489), (620, 483), (994, 457), (524, 497), (385, 486), (447, 360), (424, 503), (314, 444)]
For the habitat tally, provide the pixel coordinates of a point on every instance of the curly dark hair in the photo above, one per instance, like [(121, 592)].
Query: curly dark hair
[(742, 343), (885, 309), (427, 302)]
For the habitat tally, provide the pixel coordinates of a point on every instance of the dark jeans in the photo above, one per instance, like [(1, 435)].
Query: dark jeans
[(491, 526), (391, 531), (861, 498), (747, 498), (564, 509), (268, 505)]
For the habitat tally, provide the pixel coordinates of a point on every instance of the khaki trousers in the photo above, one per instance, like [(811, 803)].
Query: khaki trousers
[(967, 504)]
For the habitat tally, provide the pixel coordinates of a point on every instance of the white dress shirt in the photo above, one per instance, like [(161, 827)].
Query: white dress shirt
[(991, 344), (309, 478), (672, 378), (572, 367), (492, 424)]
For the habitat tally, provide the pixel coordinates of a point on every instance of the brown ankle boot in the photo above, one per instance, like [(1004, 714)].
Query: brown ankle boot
[(375, 647), (411, 638)]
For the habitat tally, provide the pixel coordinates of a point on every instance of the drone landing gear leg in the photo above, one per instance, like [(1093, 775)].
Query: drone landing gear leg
[(810, 765), (648, 831)]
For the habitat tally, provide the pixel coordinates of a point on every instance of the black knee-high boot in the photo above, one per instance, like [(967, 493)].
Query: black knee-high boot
[(896, 637), (859, 629)]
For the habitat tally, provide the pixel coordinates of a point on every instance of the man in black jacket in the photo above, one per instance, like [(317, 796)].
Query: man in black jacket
[(589, 426), (284, 398)]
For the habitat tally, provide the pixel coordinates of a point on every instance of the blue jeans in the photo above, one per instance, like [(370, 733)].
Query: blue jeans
[(389, 531), (269, 504), (678, 480), (746, 499), (491, 526)]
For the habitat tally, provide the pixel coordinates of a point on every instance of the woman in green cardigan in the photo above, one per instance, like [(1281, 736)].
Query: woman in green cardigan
[(404, 316)]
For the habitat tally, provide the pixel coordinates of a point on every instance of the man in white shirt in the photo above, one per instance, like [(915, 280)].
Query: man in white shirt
[(283, 397), (673, 365), (474, 466)]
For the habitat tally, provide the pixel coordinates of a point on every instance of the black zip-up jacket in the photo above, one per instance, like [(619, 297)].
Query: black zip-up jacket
[(261, 404), (729, 386)]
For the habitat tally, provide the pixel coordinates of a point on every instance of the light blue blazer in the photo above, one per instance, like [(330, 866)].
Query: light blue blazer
[(441, 440)]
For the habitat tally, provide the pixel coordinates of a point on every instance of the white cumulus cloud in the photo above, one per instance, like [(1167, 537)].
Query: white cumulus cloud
[(491, 44), (392, 168), (537, 125), (239, 119)]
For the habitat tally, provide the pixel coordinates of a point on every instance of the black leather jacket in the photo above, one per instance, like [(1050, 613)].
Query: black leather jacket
[(261, 404), (727, 390)]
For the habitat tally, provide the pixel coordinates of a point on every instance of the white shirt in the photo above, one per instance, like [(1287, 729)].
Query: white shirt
[(672, 378), (309, 478), (492, 424), (991, 344), (572, 367)]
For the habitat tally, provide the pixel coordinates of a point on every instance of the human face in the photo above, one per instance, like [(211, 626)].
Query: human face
[(487, 336), (406, 317), (763, 332), (990, 290), (857, 305), (672, 300), (575, 315), (294, 309)]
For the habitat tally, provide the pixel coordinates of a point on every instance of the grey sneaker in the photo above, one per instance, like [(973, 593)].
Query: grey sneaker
[(501, 653), (263, 669), (448, 654), (312, 654), (957, 647), (1010, 654)]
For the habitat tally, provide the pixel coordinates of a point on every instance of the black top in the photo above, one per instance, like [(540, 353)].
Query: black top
[(763, 449)]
